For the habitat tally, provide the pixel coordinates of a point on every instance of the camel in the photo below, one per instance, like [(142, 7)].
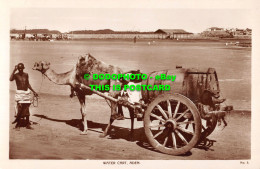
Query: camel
[(87, 64)]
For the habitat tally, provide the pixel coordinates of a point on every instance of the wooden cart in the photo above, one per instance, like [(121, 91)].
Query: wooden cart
[(176, 120)]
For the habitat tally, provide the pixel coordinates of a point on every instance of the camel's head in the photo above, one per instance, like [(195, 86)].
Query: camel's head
[(41, 66)]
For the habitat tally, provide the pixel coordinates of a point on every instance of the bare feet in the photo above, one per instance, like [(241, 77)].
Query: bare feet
[(84, 132), (103, 135), (29, 127), (17, 128)]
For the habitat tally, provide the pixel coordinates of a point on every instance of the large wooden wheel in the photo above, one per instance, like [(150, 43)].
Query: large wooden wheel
[(172, 124)]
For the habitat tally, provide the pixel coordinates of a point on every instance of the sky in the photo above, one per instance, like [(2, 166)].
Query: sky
[(128, 19)]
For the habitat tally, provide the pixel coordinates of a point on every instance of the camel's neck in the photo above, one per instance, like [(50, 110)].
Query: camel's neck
[(62, 78)]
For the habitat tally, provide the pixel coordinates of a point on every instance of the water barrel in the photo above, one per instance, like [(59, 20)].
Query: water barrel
[(188, 82), (176, 85)]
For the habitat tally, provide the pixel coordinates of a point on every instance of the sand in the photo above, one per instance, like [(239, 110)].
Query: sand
[(57, 135)]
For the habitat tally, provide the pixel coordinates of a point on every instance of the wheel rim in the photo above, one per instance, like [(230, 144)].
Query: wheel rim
[(172, 124)]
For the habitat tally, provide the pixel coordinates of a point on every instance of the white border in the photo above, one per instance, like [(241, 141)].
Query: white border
[(6, 5)]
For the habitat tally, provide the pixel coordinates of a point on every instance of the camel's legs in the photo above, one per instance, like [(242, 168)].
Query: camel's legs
[(111, 120), (84, 118), (83, 113)]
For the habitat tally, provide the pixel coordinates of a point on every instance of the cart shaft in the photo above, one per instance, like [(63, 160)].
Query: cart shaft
[(98, 93)]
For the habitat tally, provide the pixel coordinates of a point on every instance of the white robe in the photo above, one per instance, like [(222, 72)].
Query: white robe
[(22, 96), (134, 96)]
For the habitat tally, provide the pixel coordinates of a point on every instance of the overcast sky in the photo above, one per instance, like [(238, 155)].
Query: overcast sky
[(192, 20)]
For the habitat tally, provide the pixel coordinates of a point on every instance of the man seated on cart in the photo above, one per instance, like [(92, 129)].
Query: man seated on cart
[(134, 97)]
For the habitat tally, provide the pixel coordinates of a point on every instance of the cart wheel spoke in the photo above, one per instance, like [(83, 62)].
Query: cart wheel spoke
[(156, 135), (185, 122), (155, 126), (176, 109), (180, 116), (203, 128), (169, 108), (162, 111), (158, 118), (174, 141), (185, 131), (181, 137), (165, 141)]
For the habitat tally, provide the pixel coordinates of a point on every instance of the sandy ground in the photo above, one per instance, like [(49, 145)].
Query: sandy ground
[(56, 135)]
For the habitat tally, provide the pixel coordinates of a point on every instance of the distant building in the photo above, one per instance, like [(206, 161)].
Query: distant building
[(248, 31), (241, 32), (14, 36), (215, 29), (29, 36), (34, 34), (227, 33), (173, 34)]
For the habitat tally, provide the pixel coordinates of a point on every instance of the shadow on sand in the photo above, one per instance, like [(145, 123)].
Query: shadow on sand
[(77, 123), (123, 133), (115, 132)]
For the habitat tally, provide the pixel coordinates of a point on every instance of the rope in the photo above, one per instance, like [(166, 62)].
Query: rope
[(36, 121), (35, 100), (41, 82), (108, 103)]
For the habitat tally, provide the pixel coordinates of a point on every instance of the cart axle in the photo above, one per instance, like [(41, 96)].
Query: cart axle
[(171, 124)]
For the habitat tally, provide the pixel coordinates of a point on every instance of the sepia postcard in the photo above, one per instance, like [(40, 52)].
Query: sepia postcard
[(129, 84)]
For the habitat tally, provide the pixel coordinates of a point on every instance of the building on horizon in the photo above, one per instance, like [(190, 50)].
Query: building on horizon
[(215, 29), (173, 34)]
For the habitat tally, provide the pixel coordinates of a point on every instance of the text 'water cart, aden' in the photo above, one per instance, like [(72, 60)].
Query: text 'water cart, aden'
[(177, 120)]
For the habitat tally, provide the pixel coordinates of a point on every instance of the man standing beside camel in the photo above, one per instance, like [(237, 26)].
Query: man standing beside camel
[(22, 96)]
